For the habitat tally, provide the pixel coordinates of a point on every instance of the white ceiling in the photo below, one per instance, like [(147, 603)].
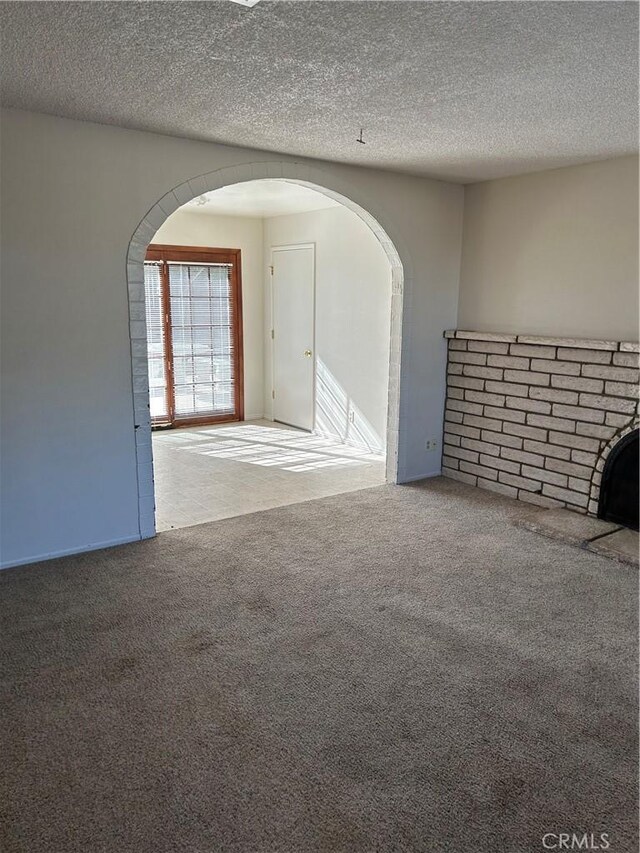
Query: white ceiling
[(458, 90), (260, 198)]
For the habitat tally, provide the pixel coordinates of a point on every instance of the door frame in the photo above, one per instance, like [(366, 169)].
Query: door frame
[(165, 253), (288, 247)]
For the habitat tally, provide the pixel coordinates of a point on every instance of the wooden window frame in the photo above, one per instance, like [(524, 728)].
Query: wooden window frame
[(164, 253)]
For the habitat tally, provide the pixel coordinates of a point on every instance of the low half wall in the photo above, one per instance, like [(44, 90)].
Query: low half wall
[(534, 418)]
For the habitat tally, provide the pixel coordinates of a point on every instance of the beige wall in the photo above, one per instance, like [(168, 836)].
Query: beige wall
[(184, 228), (553, 253)]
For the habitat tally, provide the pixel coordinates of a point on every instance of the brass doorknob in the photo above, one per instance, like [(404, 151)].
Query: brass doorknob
[(307, 353)]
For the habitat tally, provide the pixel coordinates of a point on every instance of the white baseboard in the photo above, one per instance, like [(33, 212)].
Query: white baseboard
[(68, 552), (349, 442), (412, 478)]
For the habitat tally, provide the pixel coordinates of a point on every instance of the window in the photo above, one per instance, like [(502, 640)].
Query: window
[(194, 334)]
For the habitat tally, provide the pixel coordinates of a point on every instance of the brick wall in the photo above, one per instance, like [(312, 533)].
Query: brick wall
[(533, 418)]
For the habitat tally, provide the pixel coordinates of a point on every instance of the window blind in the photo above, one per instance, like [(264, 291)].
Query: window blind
[(202, 338)]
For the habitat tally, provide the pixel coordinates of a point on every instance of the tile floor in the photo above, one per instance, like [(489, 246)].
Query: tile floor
[(212, 472)]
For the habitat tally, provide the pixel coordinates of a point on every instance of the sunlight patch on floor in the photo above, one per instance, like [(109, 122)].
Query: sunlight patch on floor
[(213, 472), (273, 447)]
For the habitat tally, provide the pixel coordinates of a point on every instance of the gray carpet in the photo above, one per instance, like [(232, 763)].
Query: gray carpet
[(396, 669)]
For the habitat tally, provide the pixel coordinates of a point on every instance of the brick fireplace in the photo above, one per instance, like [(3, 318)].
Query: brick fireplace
[(535, 418)]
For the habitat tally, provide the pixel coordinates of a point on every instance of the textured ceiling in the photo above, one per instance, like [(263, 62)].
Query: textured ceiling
[(260, 198), (465, 91)]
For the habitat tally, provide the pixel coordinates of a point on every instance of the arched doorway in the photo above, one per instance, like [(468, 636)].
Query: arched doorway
[(289, 172)]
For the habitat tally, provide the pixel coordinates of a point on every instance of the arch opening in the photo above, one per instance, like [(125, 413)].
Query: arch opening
[(157, 217)]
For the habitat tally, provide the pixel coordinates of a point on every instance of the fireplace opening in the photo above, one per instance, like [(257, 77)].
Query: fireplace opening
[(619, 500)]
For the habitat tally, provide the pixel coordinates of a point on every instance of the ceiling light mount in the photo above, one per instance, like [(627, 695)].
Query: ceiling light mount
[(247, 3)]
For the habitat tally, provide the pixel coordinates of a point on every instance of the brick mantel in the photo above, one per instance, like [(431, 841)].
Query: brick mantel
[(534, 417)]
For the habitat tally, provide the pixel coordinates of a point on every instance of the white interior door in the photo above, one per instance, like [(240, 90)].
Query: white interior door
[(293, 274)]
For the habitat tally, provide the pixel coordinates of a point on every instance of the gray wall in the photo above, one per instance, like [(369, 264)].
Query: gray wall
[(73, 194)]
